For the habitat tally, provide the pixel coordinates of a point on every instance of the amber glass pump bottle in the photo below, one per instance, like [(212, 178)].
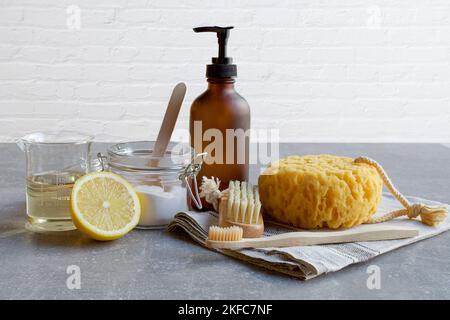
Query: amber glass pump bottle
[(220, 119)]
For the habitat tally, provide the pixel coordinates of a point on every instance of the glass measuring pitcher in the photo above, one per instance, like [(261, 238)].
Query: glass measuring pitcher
[(54, 160)]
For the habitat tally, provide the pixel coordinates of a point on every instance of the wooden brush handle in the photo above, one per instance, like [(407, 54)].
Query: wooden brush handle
[(307, 238), (249, 230)]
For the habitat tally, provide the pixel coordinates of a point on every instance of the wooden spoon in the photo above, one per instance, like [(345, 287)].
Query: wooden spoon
[(168, 124)]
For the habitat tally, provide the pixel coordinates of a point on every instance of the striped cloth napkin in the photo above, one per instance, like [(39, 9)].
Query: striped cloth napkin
[(307, 262)]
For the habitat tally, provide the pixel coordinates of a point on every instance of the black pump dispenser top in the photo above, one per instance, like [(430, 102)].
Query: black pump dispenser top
[(221, 66)]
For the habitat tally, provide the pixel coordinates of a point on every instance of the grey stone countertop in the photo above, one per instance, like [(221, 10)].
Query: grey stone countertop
[(157, 265)]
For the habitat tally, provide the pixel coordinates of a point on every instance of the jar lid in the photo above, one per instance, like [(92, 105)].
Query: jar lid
[(138, 156)]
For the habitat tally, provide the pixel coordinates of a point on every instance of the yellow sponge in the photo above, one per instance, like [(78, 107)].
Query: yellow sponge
[(319, 191)]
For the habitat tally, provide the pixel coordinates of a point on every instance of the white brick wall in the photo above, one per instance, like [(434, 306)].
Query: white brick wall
[(347, 70)]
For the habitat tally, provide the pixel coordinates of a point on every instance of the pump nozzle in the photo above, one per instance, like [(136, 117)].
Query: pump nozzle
[(221, 66), (222, 37)]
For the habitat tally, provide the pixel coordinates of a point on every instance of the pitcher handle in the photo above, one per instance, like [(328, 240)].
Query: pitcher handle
[(103, 161)]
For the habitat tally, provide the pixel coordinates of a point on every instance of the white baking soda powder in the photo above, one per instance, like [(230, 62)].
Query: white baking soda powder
[(159, 206)]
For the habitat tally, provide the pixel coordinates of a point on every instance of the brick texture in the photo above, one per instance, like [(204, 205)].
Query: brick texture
[(343, 71)]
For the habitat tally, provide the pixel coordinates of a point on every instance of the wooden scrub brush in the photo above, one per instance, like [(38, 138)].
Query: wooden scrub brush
[(238, 206)]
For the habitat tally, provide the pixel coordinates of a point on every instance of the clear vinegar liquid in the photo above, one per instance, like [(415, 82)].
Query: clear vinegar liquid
[(48, 200)]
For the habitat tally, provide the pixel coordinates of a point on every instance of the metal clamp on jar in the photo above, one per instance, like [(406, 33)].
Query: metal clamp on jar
[(162, 183)]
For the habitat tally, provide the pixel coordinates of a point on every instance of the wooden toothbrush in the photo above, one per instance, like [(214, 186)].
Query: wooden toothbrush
[(232, 237)]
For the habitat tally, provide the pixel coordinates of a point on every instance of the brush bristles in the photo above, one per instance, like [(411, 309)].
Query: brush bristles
[(225, 234), (243, 204)]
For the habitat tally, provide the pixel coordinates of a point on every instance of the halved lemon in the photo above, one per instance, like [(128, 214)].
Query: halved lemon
[(104, 206)]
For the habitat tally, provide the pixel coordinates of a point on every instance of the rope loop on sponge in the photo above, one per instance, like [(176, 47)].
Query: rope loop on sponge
[(431, 216)]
